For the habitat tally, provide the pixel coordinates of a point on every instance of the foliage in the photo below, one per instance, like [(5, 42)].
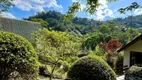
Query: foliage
[(107, 31), (92, 42), (111, 46), (114, 28), (130, 8), (134, 5), (112, 57), (119, 63), (99, 51), (76, 6), (91, 7), (137, 23), (41, 21), (134, 73), (111, 60), (17, 55), (55, 48), (91, 68), (56, 22), (5, 4)]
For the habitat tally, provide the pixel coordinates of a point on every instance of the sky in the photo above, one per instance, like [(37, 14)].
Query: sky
[(26, 8)]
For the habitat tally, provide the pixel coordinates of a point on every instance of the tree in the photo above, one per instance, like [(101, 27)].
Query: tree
[(111, 46), (130, 8), (18, 56), (92, 6), (99, 51), (93, 41), (55, 49), (132, 34), (41, 21), (5, 4)]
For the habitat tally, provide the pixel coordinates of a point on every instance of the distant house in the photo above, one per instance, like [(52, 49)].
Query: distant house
[(132, 52), (21, 27)]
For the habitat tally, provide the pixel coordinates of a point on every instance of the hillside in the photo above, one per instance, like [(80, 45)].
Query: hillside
[(137, 21), (56, 21)]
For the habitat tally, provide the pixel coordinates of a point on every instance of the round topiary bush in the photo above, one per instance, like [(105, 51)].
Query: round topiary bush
[(91, 68), (134, 73), (17, 55)]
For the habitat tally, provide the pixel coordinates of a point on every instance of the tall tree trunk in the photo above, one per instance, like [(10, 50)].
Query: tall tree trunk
[(131, 18)]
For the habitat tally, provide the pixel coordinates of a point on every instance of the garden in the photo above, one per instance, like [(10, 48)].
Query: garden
[(66, 47)]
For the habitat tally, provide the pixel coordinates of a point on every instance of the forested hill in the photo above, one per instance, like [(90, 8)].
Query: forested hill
[(136, 21), (55, 20)]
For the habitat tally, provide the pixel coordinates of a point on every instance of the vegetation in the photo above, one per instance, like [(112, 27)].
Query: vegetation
[(61, 42), (92, 68), (137, 23), (134, 73), (130, 8), (41, 21), (55, 21), (84, 26), (91, 7), (79, 37), (56, 49), (17, 56), (4, 5), (119, 64)]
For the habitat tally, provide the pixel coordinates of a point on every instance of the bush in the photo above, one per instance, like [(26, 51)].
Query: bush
[(134, 73), (91, 68), (119, 63), (17, 56), (111, 61)]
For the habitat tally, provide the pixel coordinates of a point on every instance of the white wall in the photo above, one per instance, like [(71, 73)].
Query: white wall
[(137, 47)]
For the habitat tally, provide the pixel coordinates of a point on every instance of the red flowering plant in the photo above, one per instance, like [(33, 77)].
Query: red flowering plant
[(111, 47)]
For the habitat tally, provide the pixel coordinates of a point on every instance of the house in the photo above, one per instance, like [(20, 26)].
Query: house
[(132, 52), (21, 27)]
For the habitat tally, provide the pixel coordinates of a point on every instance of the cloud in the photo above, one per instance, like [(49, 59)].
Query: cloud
[(108, 12), (103, 11), (36, 5), (7, 15), (138, 11), (75, 0), (83, 6)]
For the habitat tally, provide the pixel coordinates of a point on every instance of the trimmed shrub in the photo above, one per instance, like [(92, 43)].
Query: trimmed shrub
[(134, 73), (91, 68), (17, 55)]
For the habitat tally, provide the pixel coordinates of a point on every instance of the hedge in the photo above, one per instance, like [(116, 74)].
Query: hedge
[(17, 54), (134, 73), (91, 68)]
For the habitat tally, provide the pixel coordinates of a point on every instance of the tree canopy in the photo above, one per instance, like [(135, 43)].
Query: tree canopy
[(55, 48), (91, 7), (5, 4), (130, 8)]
